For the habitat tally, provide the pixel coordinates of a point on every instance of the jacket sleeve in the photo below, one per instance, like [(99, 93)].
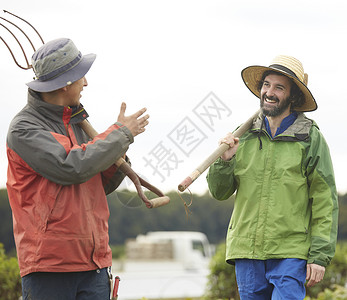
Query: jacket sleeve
[(53, 156), (220, 179), (113, 177), (323, 196)]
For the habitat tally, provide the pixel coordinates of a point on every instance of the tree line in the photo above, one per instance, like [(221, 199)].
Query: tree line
[(130, 217)]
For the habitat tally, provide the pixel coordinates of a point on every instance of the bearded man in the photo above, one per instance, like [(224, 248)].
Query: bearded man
[(283, 228)]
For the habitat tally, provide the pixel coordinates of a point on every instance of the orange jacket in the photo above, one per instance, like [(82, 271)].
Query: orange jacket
[(56, 185)]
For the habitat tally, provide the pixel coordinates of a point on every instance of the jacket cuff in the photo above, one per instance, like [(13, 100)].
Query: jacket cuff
[(225, 162), (317, 262), (126, 131)]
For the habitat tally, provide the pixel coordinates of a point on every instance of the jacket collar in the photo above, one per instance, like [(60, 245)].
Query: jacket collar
[(56, 113), (299, 130)]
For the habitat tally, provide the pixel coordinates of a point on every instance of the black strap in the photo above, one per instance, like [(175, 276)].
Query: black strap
[(284, 69)]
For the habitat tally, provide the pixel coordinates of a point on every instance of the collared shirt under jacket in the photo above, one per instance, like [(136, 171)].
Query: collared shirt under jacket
[(57, 184), (286, 200)]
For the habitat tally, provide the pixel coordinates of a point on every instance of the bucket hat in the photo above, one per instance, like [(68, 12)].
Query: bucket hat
[(58, 63), (288, 66)]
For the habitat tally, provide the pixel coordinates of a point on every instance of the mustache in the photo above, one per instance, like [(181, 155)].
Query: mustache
[(273, 98)]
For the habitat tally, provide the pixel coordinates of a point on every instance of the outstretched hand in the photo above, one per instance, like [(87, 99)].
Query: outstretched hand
[(136, 123)]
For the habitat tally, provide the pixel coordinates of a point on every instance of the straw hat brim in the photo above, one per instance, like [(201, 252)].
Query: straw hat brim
[(70, 76), (253, 74)]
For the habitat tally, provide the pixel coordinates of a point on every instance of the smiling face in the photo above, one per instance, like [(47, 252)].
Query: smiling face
[(275, 95)]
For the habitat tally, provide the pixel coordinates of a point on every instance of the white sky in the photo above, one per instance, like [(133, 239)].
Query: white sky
[(170, 55)]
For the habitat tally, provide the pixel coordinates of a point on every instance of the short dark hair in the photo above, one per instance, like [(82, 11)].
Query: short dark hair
[(296, 95)]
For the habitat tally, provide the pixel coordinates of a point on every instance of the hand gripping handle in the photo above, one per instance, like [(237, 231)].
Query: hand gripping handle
[(128, 171), (215, 154)]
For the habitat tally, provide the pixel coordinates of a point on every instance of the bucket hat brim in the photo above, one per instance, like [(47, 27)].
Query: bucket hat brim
[(66, 78), (252, 75)]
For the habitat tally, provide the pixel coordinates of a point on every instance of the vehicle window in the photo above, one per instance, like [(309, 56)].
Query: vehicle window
[(198, 245)]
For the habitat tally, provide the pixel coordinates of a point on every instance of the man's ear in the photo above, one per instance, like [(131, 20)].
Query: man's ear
[(65, 88)]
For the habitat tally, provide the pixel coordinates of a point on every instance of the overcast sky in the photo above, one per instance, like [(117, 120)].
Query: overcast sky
[(182, 60)]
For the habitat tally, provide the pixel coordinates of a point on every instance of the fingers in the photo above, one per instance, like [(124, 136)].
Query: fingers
[(135, 115), (138, 126), (233, 143), (143, 121), (230, 140), (308, 272), (315, 274), (122, 109), (136, 122), (139, 113)]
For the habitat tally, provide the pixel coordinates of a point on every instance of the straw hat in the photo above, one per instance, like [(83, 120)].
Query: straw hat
[(58, 63), (288, 66)]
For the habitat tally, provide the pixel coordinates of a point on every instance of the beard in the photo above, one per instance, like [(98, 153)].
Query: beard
[(276, 110)]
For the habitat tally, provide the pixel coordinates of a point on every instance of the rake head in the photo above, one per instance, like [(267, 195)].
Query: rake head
[(10, 27)]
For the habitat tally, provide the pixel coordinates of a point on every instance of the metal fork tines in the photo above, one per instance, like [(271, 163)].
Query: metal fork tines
[(14, 32)]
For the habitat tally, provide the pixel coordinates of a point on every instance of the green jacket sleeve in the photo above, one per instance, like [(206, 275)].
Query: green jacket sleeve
[(323, 196), (220, 179)]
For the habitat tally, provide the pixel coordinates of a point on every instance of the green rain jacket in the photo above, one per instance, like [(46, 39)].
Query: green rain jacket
[(286, 200)]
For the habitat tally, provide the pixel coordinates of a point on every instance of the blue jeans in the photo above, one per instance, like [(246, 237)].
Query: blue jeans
[(89, 285), (276, 279)]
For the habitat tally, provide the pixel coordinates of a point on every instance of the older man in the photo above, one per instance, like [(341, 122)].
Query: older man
[(284, 225), (58, 180)]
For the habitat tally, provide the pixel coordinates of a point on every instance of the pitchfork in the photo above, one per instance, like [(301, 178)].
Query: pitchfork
[(85, 125)]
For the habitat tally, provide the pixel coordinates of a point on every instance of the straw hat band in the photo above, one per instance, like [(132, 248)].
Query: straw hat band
[(284, 69), (290, 63), (62, 69)]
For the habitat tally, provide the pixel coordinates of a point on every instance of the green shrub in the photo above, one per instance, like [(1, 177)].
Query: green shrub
[(118, 251), (222, 279), (10, 280), (336, 293)]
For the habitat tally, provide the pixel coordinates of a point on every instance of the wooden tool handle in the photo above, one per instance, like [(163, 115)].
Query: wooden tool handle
[(160, 201), (215, 154), (127, 170)]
